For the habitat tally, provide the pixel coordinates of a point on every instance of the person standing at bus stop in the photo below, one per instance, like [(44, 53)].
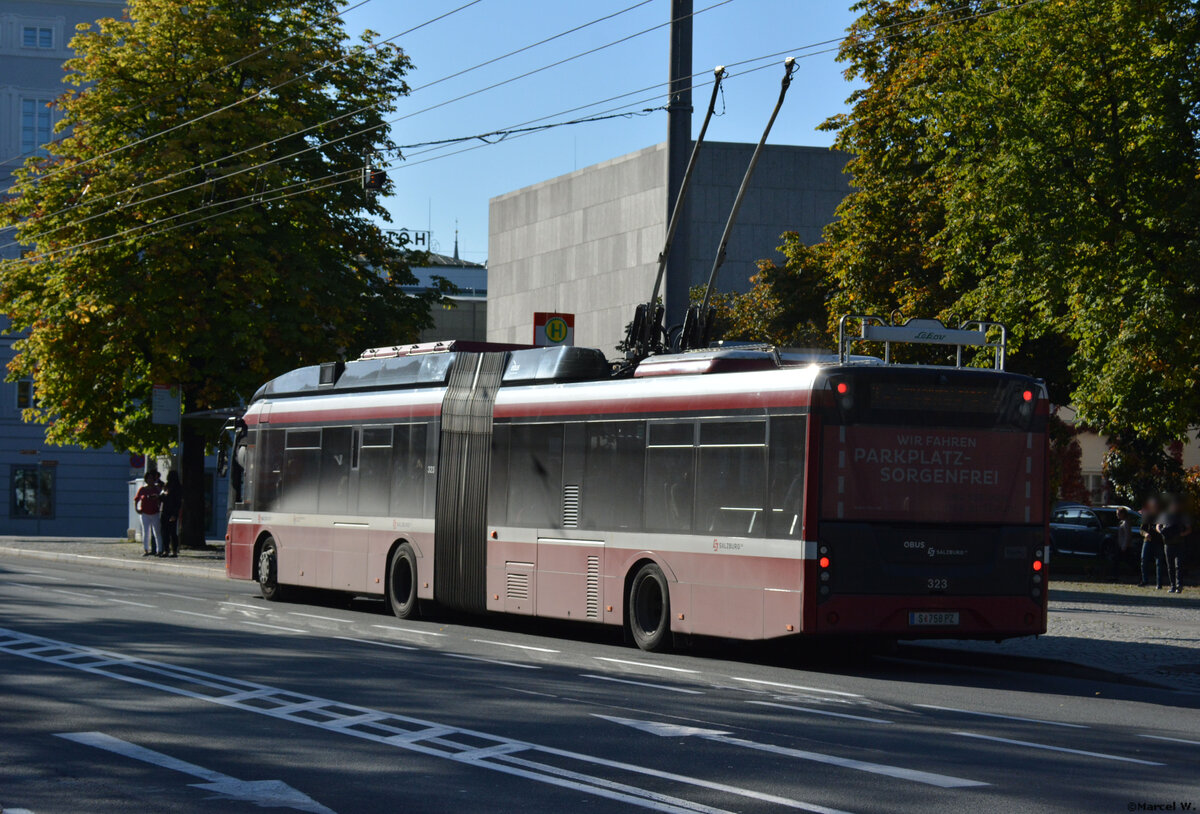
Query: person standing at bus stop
[(1152, 547), (148, 504), (1174, 525), (172, 505), (1124, 542)]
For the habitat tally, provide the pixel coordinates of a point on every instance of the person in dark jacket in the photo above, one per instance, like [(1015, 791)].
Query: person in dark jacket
[(1174, 525), (1152, 547), (172, 505)]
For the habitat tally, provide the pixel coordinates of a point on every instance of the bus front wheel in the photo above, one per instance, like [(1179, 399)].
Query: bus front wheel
[(268, 572), (402, 583), (650, 609)]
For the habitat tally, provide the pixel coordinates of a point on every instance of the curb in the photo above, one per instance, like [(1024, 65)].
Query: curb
[(119, 563)]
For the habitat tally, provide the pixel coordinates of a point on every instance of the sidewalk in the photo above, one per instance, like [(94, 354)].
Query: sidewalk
[(1140, 633), (206, 562)]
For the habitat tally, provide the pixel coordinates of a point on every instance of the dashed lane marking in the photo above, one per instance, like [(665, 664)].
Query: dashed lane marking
[(1050, 748), (518, 646), (377, 644), (434, 740), (1003, 717), (814, 711), (131, 602), (315, 616), (646, 664), (1172, 740), (491, 661), (643, 684), (795, 687), (408, 630)]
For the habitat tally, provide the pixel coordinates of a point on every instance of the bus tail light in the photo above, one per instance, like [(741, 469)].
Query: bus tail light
[(1037, 565), (824, 562)]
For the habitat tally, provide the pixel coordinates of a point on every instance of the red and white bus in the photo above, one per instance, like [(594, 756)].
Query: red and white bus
[(735, 492)]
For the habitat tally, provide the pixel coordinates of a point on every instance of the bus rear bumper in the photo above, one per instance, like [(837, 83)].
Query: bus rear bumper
[(931, 617)]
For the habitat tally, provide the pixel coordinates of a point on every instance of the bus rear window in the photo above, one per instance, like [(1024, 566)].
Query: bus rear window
[(924, 398)]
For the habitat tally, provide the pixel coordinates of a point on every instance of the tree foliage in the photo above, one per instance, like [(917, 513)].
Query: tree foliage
[(1038, 165), (152, 257)]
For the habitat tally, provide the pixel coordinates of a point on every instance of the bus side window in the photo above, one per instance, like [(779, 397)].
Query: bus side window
[(670, 485), (300, 480), (336, 453), (535, 476), (375, 471), (614, 456), (408, 470), (788, 436), (497, 513), (729, 478), (270, 470)]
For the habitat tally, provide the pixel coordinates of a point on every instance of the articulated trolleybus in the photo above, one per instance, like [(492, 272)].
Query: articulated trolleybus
[(742, 492)]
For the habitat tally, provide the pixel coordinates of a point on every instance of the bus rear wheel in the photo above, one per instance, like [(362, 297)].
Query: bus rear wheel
[(268, 572), (650, 609), (402, 583)]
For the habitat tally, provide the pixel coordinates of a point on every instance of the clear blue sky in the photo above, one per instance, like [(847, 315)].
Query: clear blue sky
[(454, 188)]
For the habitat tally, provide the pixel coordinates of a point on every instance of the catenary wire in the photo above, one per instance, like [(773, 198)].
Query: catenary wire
[(207, 76), (357, 170), (213, 162)]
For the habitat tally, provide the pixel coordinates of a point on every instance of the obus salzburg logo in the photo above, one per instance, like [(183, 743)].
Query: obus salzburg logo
[(556, 329)]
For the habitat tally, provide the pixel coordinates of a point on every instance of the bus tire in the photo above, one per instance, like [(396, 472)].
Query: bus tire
[(402, 583), (268, 572), (650, 609)]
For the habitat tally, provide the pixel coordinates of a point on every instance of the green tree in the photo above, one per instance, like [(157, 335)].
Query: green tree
[(225, 282), (1039, 165)]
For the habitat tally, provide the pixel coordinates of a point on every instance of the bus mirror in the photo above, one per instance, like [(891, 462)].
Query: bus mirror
[(222, 462)]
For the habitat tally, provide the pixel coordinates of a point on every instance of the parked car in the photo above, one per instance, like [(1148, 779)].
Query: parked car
[(1090, 531)]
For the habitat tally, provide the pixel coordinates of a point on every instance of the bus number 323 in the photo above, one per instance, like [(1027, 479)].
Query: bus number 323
[(937, 584)]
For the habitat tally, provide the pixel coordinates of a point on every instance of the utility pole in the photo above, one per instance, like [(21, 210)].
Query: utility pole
[(679, 147)]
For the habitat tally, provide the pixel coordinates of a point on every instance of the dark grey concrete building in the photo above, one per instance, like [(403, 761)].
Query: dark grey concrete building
[(587, 242)]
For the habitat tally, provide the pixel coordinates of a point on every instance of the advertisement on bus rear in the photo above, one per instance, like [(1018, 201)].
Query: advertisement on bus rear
[(876, 473)]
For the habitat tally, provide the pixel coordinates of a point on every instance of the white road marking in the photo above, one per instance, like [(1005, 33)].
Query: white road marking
[(201, 615), (718, 736), (315, 616), (814, 711), (492, 661), (1172, 740), (796, 687), (103, 585), (1049, 748), (529, 692), (181, 596), (249, 607), (51, 576), (645, 664), (408, 630), (643, 684), (273, 627), (398, 731), (377, 644), (131, 602), (264, 793), (518, 646), (1004, 717)]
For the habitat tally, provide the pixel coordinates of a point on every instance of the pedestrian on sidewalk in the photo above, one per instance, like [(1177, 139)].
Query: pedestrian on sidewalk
[(1152, 548), (1124, 541), (172, 508), (1174, 525), (148, 503)]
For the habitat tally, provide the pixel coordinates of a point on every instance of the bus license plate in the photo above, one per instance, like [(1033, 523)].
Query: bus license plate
[(939, 618)]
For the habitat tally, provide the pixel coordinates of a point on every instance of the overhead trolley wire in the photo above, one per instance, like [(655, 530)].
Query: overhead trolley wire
[(355, 172), (208, 75), (213, 162)]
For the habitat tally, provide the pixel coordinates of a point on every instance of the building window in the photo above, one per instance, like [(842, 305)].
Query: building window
[(26, 398), (35, 125), (32, 492), (33, 36)]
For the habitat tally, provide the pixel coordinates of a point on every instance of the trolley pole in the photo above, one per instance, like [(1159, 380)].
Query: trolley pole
[(679, 147)]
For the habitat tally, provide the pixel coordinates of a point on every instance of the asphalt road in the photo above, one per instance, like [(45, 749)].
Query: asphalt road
[(143, 692)]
